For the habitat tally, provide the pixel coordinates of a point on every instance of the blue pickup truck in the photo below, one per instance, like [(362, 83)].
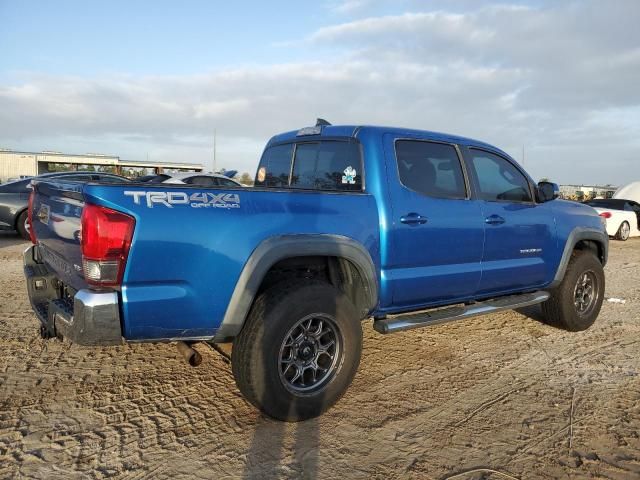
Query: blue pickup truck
[(344, 223)]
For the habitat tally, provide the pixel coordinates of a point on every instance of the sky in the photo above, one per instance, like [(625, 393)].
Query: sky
[(556, 80)]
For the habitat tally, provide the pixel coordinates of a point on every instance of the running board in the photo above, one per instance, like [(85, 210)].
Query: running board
[(409, 321)]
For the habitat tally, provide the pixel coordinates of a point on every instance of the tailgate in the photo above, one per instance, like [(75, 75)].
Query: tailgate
[(57, 208)]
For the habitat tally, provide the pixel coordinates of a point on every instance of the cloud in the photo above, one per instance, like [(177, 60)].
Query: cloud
[(560, 79)]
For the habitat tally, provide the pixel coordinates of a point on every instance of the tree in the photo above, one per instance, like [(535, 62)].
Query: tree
[(246, 179)]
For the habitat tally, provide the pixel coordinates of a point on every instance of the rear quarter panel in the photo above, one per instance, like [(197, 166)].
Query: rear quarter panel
[(185, 261)]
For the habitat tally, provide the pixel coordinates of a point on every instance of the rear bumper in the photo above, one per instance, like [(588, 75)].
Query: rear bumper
[(87, 318)]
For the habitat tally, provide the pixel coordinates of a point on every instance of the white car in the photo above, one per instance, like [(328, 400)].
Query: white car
[(623, 216), (201, 179)]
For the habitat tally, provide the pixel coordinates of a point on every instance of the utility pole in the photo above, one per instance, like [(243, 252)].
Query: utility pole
[(214, 150)]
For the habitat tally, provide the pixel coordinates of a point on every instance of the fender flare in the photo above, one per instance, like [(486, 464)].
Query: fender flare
[(277, 248), (576, 235)]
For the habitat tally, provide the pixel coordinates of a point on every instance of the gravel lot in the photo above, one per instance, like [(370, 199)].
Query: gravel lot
[(493, 393)]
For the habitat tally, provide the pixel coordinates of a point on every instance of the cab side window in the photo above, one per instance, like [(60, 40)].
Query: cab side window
[(430, 168), (498, 179)]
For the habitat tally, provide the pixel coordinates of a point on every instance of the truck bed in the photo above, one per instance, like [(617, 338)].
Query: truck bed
[(190, 244)]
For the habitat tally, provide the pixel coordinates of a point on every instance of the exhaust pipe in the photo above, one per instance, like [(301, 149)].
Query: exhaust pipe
[(192, 357)]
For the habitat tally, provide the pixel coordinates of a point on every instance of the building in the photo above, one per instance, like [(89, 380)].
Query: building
[(586, 192), (15, 164)]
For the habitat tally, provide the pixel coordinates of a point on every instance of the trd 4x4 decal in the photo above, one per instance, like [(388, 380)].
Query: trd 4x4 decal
[(195, 200)]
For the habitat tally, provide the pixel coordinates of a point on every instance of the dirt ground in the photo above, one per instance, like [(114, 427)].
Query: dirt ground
[(494, 393)]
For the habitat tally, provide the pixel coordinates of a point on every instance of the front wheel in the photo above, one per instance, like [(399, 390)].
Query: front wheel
[(623, 232), (298, 351), (575, 304)]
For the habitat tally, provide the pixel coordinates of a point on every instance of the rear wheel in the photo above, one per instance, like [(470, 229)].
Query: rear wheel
[(22, 225), (623, 231), (298, 351), (575, 304)]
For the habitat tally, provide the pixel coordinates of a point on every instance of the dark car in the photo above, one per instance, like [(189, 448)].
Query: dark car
[(14, 197)]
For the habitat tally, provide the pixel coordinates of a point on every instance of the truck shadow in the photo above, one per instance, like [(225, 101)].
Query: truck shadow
[(534, 312), (270, 455), (281, 449)]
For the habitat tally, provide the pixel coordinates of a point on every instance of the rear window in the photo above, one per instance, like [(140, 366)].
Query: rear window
[(20, 186), (326, 165), (275, 166)]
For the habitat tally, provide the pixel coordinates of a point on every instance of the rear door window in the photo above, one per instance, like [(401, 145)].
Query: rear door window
[(430, 168)]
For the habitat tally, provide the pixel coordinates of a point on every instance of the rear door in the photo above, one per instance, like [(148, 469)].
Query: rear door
[(519, 233), (438, 231)]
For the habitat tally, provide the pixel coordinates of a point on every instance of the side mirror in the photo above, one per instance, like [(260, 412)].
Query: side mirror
[(548, 191)]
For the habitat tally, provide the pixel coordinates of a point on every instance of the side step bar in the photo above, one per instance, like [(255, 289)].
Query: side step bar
[(409, 321)]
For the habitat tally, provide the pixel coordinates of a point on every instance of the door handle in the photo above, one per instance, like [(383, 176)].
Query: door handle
[(494, 220), (413, 219)]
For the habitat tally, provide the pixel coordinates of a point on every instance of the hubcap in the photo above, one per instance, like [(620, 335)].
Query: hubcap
[(309, 354), (585, 293), (624, 230)]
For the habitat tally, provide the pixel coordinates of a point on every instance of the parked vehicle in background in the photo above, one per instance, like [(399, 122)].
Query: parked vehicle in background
[(200, 179), (412, 228), (192, 178), (156, 178), (622, 216), (631, 191), (14, 196)]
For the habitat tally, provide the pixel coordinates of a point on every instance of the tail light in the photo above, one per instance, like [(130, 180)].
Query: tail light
[(32, 234), (605, 214), (105, 241)]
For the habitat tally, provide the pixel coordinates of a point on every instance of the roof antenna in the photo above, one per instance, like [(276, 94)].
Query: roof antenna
[(321, 122)]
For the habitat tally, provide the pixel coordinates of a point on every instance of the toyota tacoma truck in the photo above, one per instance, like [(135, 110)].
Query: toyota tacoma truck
[(345, 223)]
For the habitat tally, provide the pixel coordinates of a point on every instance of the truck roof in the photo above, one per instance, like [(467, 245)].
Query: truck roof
[(356, 130)]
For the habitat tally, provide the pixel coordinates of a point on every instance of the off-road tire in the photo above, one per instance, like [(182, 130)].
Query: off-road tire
[(256, 356), (622, 236), (20, 225), (561, 309)]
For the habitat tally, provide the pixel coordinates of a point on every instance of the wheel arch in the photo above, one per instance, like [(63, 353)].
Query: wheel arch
[(276, 249), (582, 238)]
